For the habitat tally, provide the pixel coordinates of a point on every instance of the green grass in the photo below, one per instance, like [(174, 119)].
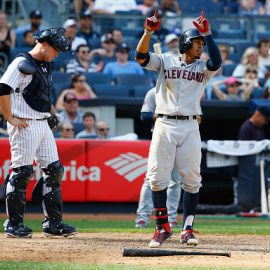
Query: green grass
[(248, 226), (72, 266), (203, 225)]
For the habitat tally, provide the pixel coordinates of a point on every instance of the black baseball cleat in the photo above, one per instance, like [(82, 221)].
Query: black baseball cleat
[(17, 230), (59, 230)]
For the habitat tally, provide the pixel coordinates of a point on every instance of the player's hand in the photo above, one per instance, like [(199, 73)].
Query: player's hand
[(152, 23), (17, 122), (202, 24)]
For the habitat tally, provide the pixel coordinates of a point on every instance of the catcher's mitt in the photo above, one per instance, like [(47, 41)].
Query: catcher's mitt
[(53, 122)]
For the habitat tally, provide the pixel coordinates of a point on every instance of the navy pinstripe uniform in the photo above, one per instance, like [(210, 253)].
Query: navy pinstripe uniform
[(25, 100)]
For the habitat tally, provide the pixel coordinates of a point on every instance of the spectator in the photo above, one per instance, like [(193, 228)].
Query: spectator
[(106, 52), (249, 59), (7, 39), (250, 7), (266, 92), (111, 6), (170, 7), (172, 43), (102, 130), (70, 113), (232, 91), (147, 7), (117, 36), (82, 62), (89, 122), (85, 30), (80, 6), (80, 89), (252, 128), (122, 65), (225, 54), (66, 131), (264, 48), (28, 39), (35, 25), (71, 30), (267, 7), (250, 83)]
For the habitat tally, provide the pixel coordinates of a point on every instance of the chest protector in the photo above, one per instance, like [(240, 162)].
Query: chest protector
[(37, 93)]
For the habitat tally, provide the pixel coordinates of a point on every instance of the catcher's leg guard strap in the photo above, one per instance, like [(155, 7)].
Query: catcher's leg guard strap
[(52, 197), (16, 193)]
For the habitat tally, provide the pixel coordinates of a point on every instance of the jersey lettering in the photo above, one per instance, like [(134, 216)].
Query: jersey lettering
[(184, 74)]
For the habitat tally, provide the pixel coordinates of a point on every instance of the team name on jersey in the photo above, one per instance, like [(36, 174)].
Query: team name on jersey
[(184, 74)]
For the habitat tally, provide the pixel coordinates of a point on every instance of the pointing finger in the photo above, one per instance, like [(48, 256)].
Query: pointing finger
[(203, 14), (156, 13)]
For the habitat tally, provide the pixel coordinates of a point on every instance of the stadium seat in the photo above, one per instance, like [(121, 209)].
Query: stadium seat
[(257, 93), (16, 50), (97, 78), (140, 91), (60, 77), (58, 88), (240, 47), (228, 69), (109, 90), (61, 60), (78, 127), (132, 80), (95, 43)]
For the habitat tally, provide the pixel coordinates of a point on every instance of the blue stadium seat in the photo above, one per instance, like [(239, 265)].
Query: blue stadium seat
[(97, 78), (132, 80), (78, 127), (140, 91), (257, 93), (60, 77), (62, 59), (228, 69), (16, 50), (95, 43), (109, 90), (58, 87)]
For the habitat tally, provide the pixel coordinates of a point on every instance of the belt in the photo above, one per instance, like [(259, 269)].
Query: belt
[(41, 119), (178, 117)]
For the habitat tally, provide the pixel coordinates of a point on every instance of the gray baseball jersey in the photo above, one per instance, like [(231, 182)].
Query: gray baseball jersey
[(37, 140), (178, 84)]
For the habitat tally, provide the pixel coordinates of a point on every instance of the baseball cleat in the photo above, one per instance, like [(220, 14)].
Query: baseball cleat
[(141, 224), (63, 230), (160, 236), (187, 237), (17, 231)]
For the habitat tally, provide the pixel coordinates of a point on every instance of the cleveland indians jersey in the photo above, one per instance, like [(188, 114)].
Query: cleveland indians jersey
[(179, 84)]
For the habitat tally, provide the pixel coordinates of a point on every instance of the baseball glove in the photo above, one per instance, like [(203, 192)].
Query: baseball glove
[(53, 122)]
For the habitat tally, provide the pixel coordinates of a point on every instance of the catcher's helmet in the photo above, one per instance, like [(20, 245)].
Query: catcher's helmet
[(185, 42), (55, 37)]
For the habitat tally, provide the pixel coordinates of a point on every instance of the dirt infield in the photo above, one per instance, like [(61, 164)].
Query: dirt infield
[(105, 248)]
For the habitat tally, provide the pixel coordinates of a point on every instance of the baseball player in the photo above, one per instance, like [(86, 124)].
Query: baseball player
[(145, 206), (176, 138), (25, 100)]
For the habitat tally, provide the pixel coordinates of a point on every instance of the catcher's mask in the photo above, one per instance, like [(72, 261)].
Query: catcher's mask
[(55, 37), (185, 41)]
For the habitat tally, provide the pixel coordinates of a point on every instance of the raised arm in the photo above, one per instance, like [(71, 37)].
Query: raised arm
[(151, 24), (202, 24)]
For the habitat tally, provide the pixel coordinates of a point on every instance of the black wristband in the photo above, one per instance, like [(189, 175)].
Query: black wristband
[(139, 55), (5, 89)]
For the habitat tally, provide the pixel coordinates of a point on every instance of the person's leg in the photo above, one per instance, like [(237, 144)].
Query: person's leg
[(173, 197), (145, 206), (48, 188), (160, 165), (24, 143), (188, 164)]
